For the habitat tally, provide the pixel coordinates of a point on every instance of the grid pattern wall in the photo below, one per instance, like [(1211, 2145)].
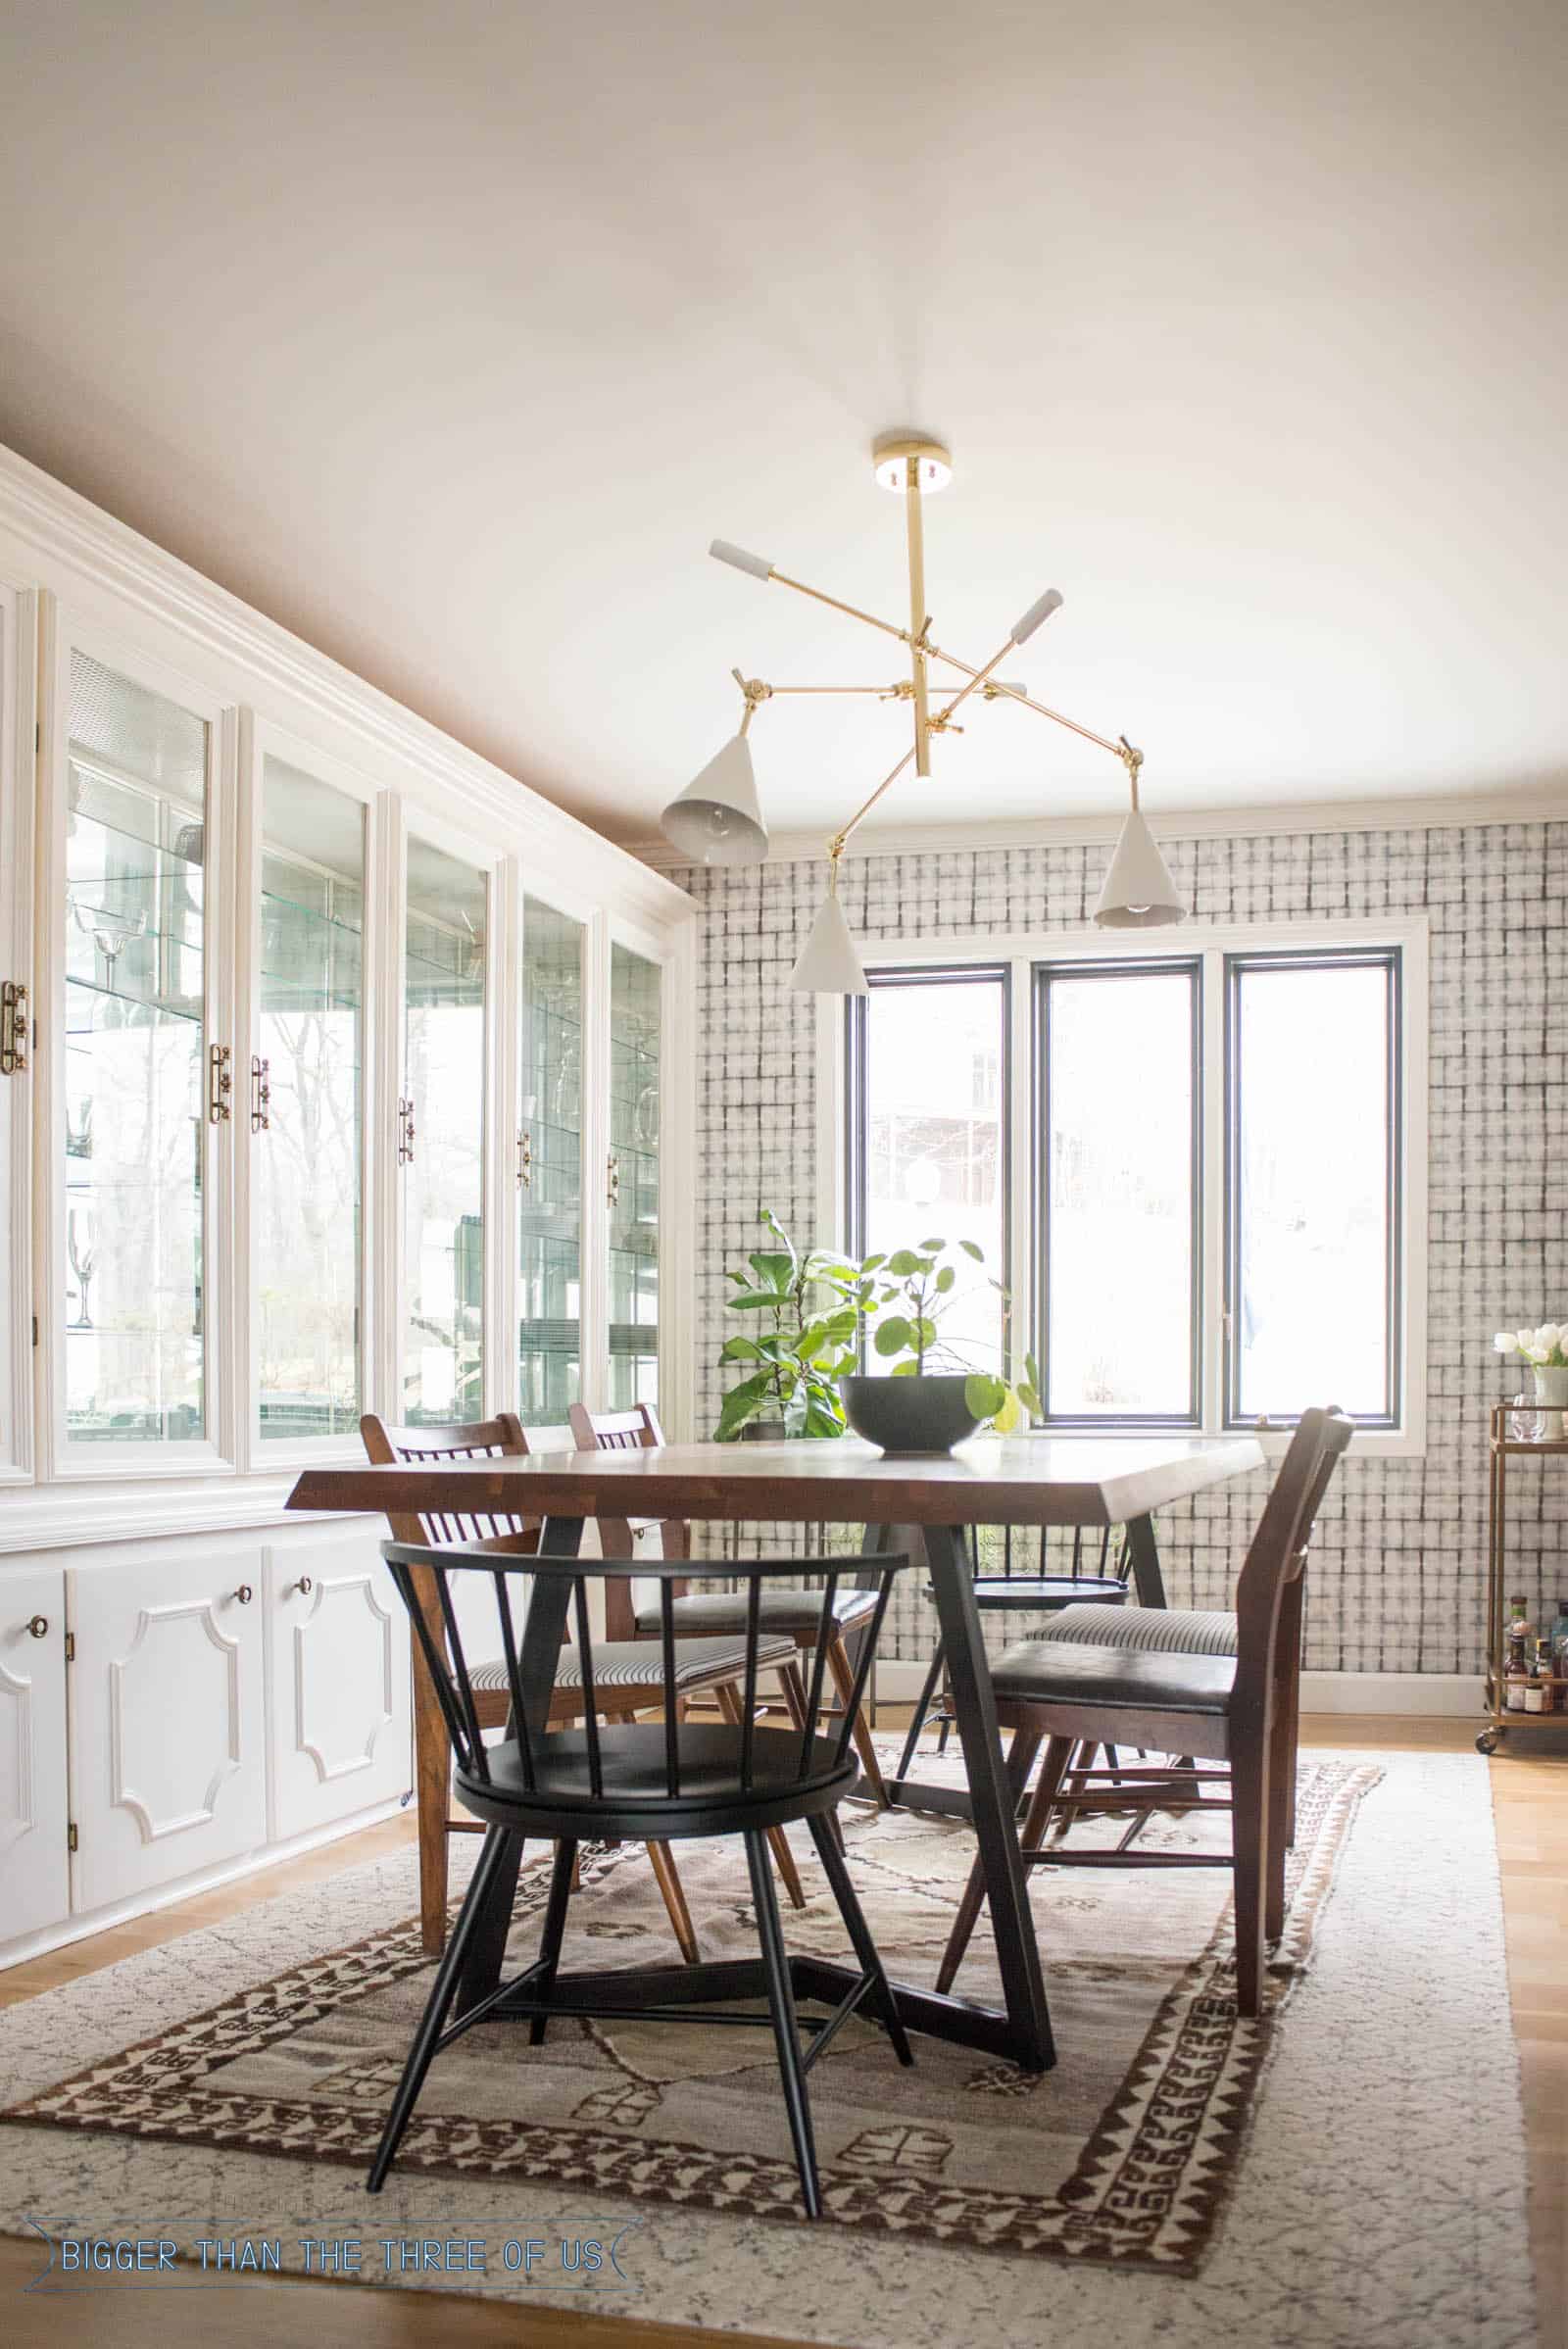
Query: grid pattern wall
[(1398, 1581)]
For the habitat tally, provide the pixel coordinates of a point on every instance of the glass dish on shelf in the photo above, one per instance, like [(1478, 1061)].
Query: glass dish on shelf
[(1526, 1422)]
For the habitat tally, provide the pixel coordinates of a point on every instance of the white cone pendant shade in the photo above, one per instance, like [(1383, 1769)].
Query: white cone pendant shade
[(718, 819), (1138, 892), (829, 963)]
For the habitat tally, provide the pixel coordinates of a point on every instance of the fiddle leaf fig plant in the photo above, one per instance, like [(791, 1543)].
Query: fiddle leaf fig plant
[(804, 1325), (906, 1297)]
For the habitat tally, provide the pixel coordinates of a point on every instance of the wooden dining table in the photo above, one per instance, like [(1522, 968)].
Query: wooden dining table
[(912, 1504)]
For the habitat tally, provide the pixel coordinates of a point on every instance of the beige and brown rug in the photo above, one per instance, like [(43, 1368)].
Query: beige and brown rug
[(1125, 2153)]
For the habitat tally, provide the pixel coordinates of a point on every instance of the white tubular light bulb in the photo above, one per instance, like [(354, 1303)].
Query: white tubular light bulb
[(1049, 603), (758, 565)]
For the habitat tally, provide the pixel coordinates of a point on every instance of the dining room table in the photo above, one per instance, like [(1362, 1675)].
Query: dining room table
[(915, 1504)]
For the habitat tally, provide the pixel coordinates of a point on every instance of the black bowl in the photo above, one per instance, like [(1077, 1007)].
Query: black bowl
[(909, 1415)]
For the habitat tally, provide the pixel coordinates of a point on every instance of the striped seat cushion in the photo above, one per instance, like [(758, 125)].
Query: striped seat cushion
[(778, 1610), (1153, 1631), (640, 1664)]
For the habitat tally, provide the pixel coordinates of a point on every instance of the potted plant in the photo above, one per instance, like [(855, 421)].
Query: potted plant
[(804, 1316), (926, 1401)]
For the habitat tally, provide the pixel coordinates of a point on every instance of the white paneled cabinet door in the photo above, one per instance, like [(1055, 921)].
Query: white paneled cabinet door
[(34, 1874), (339, 1679), (168, 1769)]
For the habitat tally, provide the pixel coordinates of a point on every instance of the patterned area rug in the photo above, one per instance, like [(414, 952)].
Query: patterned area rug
[(1125, 2153)]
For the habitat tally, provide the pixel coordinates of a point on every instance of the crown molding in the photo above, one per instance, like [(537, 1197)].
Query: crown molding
[(1544, 804), (68, 538)]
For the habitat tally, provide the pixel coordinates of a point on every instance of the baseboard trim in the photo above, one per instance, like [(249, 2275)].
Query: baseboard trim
[(1449, 1694), (80, 1927)]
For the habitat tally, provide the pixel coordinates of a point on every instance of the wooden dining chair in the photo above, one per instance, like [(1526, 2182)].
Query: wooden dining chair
[(629, 1680), (653, 1781), (1240, 1709), (794, 1613)]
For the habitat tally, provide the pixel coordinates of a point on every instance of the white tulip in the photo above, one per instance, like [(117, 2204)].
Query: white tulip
[(1505, 1342)]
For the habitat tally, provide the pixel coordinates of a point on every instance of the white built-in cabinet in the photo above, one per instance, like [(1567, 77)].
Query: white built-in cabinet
[(335, 1074)]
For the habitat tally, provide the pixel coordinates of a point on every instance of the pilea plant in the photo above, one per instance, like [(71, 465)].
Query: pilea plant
[(906, 1297)]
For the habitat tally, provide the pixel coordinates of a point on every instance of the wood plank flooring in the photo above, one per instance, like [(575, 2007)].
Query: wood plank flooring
[(1531, 1797)]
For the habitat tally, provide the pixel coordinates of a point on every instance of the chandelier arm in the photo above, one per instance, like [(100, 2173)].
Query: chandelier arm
[(915, 522), (836, 846), (1005, 693), (836, 604)]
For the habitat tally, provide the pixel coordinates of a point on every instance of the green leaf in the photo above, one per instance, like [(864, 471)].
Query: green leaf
[(925, 1331), (938, 1245), (740, 1404), (824, 1420), (870, 1264), (773, 1271), (903, 1262), (892, 1336), (984, 1396), (740, 1350), (1029, 1397), (907, 1370), (970, 1250), (773, 1224), (945, 1280), (751, 1300), (1009, 1414)]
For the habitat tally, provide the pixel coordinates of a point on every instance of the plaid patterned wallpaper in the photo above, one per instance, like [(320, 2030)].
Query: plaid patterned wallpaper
[(1397, 1578)]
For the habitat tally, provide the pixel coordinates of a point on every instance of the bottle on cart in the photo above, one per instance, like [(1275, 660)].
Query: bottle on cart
[(1542, 1672), (1559, 1640), (1516, 1673)]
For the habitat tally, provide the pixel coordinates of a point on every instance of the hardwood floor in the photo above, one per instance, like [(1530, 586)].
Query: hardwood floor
[(1529, 1793)]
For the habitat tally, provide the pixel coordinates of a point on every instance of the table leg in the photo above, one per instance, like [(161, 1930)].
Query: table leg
[(1148, 1580), (991, 1798), (558, 1537)]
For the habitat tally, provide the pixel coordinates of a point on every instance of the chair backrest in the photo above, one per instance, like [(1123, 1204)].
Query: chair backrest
[(636, 1430), (1081, 1561), (531, 1658), (501, 1438), (1268, 1586)]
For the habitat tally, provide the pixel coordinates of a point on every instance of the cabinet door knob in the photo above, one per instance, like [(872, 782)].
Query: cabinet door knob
[(38, 1625), (244, 1594), (304, 1586)]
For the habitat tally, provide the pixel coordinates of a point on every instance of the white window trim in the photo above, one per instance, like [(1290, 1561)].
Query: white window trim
[(1020, 951)]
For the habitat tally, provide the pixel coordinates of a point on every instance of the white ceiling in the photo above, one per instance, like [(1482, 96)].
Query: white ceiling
[(450, 337)]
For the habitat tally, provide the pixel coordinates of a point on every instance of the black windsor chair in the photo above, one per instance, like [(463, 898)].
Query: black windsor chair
[(640, 1781)]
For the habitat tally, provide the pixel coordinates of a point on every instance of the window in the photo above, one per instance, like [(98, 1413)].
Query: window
[(931, 1050), (1119, 1190), (1202, 1174), (1312, 1199), (632, 1177)]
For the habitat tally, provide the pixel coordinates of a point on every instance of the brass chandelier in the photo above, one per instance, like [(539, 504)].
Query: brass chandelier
[(718, 818)]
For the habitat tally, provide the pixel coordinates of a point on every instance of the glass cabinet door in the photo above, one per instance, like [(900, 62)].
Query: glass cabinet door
[(550, 1166), (135, 1080), (307, 1107), (441, 1137), (632, 1178)]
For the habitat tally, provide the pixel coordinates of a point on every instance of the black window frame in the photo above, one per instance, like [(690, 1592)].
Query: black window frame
[(1391, 961), (1042, 973)]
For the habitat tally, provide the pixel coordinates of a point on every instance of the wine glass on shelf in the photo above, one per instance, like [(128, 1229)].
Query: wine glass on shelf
[(111, 932), (83, 1249), (79, 1128)]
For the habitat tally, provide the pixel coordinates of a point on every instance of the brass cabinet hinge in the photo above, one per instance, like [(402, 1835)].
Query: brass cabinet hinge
[(70, 1837), (71, 1647), (220, 1083), (13, 1027)]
